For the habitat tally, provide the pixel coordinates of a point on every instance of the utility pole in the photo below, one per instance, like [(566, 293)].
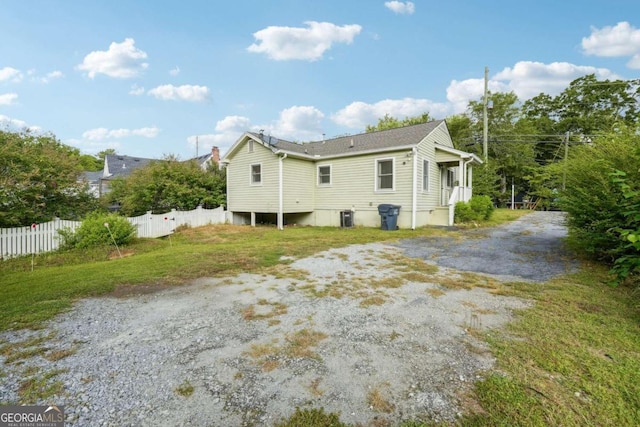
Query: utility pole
[(196, 146), (485, 122)]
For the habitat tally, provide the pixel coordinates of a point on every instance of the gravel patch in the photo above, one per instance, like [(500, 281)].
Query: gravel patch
[(346, 330), (529, 249)]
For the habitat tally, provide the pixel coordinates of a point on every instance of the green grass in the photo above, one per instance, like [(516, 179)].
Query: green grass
[(573, 359)]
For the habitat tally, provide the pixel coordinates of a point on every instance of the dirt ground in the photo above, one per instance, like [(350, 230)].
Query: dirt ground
[(378, 333)]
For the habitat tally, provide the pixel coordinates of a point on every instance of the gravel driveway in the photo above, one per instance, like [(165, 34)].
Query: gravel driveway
[(368, 331)]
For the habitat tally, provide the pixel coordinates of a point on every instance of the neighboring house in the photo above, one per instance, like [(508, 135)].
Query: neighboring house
[(119, 166), (315, 183), (205, 160), (92, 179)]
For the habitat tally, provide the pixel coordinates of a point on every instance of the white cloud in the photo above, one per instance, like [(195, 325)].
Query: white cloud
[(92, 147), (620, 40), (400, 7), (150, 132), (175, 71), (284, 43), (10, 74), (526, 79), (18, 124), (8, 98), (228, 130), (183, 93), (360, 114), (100, 134), (298, 123), (136, 90), (459, 93), (122, 60), (51, 76)]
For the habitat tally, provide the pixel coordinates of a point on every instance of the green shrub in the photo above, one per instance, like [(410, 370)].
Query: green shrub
[(94, 232), (463, 212), (482, 206), (595, 204), (479, 208), (627, 265)]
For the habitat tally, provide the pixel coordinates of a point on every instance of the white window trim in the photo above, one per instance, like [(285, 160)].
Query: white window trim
[(426, 168), (322, 184), (393, 176), (251, 182)]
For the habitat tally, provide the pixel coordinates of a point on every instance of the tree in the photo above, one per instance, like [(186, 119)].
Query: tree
[(169, 184), (511, 147), (104, 153), (461, 131), (39, 180), (90, 163), (595, 203), (587, 107), (388, 122)]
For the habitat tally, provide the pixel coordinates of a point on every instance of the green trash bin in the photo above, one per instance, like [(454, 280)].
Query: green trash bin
[(389, 216)]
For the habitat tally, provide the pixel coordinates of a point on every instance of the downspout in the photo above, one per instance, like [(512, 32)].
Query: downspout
[(414, 203), (281, 192)]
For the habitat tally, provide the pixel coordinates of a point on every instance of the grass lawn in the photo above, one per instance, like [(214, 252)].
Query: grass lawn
[(572, 359)]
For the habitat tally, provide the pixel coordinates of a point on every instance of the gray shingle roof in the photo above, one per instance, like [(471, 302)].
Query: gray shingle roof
[(122, 166), (363, 142)]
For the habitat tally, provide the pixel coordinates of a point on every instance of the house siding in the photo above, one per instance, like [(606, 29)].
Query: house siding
[(244, 197), (428, 200), (299, 185), (353, 187), (441, 135)]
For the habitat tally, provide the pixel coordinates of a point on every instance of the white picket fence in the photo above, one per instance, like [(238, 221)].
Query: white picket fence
[(45, 237)]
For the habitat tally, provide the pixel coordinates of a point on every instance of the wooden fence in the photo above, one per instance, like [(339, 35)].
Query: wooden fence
[(45, 237)]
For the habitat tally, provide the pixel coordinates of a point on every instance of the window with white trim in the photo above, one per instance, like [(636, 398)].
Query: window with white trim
[(256, 174), (250, 146), (324, 175), (425, 175), (384, 174)]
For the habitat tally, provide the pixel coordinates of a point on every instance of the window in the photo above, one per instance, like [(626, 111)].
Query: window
[(250, 145), (324, 175), (425, 175), (384, 174), (256, 174), (450, 178)]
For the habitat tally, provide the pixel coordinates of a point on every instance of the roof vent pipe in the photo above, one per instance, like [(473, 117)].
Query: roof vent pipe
[(351, 144)]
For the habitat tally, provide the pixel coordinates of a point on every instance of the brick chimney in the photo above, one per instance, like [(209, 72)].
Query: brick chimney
[(215, 155)]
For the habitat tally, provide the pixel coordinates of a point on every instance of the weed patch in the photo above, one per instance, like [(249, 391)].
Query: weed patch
[(40, 386), (185, 389)]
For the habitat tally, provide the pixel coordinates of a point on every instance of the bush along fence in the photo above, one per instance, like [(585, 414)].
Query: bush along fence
[(39, 238)]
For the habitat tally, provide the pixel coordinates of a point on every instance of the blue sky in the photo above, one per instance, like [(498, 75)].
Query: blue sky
[(148, 77)]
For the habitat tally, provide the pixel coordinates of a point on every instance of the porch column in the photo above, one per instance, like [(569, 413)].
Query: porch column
[(470, 180), (253, 219)]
